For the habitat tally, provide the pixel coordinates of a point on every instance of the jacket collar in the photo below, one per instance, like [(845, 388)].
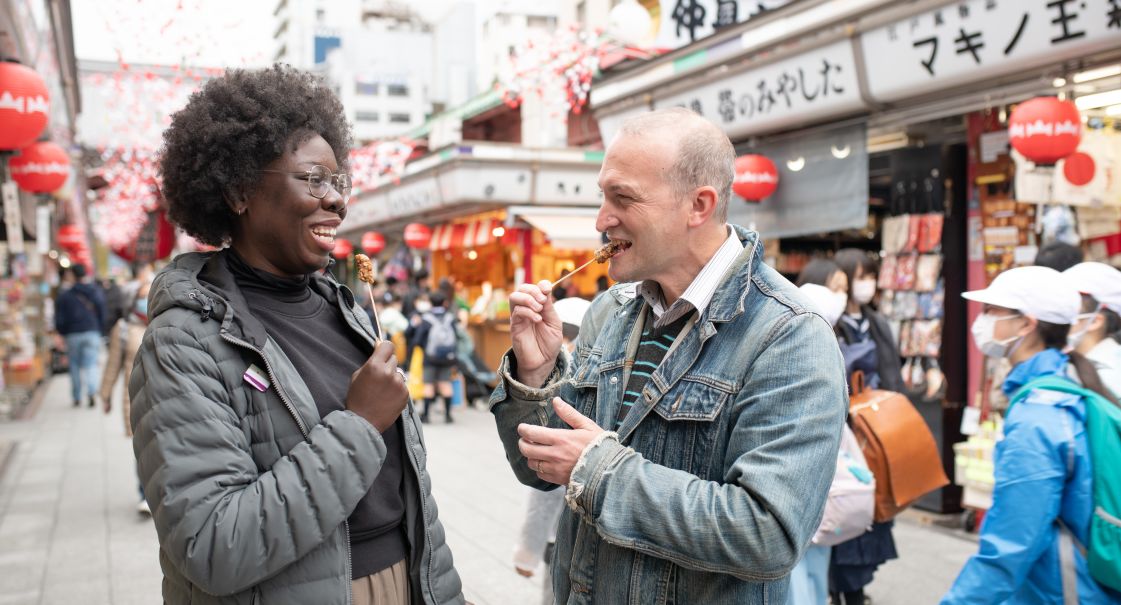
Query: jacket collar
[(729, 300), (202, 282), (1044, 363)]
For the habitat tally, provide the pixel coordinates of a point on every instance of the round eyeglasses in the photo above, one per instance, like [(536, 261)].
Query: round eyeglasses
[(320, 181)]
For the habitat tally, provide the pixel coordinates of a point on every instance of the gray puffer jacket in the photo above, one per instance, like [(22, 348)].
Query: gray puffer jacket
[(250, 491)]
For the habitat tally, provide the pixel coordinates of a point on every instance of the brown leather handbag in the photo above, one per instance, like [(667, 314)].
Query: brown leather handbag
[(898, 446)]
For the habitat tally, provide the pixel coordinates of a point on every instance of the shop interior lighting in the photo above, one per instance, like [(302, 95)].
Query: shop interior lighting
[(1059, 82), (842, 152), (472, 255), (796, 164), (1113, 111), (64, 262), (1097, 74), (1101, 99), (498, 231), (888, 142)]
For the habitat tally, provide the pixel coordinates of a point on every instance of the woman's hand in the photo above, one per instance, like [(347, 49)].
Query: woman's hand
[(535, 329), (378, 391)]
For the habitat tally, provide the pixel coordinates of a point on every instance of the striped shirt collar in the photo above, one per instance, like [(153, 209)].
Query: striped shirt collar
[(699, 293)]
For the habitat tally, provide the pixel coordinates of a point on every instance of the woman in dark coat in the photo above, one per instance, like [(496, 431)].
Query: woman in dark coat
[(866, 344)]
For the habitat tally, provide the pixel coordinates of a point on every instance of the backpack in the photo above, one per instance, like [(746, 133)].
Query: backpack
[(852, 496), (898, 446), (440, 348), (1103, 431)]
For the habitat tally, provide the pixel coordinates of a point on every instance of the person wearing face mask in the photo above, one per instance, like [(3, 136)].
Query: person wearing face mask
[(866, 349), (1042, 497), (1097, 330)]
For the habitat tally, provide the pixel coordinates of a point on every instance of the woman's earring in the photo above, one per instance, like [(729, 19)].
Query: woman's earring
[(241, 211)]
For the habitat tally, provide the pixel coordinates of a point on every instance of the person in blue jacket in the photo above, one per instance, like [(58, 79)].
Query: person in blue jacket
[(1042, 497)]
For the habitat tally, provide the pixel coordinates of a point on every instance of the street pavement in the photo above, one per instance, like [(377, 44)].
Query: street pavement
[(70, 531)]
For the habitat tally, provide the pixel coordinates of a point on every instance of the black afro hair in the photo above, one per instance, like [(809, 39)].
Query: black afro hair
[(231, 128)]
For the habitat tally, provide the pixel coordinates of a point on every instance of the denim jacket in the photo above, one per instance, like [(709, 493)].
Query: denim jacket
[(716, 482)]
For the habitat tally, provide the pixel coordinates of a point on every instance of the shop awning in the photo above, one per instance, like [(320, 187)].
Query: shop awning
[(463, 235), (569, 228)]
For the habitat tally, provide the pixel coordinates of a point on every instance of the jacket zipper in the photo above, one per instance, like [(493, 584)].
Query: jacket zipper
[(303, 430), (423, 511)]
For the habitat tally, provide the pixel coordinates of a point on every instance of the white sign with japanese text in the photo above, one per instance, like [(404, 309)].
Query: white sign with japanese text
[(973, 40), (682, 22), (806, 88), (13, 222)]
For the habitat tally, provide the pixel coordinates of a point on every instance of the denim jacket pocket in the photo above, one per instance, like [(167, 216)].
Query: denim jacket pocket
[(694, 398)]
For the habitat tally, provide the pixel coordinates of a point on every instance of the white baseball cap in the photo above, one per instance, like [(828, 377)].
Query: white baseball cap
[(1039, 292), (1099, 280), (571, 310)]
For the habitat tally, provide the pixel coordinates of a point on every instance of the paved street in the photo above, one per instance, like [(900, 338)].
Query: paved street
[(70, 533)]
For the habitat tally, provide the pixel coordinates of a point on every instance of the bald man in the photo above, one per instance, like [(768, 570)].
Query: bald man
[(696, 428)]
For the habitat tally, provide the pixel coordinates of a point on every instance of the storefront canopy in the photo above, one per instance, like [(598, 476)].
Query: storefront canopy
[(463, 235), (567, 228)]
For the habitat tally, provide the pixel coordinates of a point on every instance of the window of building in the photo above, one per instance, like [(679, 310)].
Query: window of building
[(367, 116), (397, 90), (541, 22), (399, 118), (366, 88)]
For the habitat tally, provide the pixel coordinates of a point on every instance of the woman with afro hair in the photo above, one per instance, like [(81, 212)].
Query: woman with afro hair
[(274, 436)]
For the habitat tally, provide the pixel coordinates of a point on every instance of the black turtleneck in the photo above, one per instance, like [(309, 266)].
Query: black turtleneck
[(326, 351)]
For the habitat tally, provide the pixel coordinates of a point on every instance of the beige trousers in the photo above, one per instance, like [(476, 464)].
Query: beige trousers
[(389, 586)]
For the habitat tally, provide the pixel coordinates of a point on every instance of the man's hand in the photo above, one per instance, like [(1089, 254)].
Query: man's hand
[(552, 453), (535, 329)]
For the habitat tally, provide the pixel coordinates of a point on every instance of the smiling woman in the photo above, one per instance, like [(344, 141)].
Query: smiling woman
[(275, 439)]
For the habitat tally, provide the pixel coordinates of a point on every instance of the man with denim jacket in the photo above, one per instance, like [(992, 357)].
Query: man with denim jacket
[(696, 429)]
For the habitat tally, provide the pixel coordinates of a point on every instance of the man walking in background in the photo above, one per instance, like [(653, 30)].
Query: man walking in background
[(79, 314)]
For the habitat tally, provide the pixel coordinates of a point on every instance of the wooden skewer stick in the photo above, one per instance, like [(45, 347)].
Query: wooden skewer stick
[(377, 322), (573, 272)]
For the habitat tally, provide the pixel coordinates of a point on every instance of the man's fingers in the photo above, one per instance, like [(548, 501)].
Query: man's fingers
[(526, 313), (538, 434), (525, 300), (534, 453), (570, 416)]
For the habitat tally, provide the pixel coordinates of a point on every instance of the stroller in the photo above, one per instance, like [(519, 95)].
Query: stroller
[(478, 379)]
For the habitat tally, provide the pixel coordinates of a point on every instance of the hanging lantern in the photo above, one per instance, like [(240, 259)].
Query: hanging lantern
[(417, 235), (343, 248), (71, 237), (1045, 129), (42, 167), (155, 240), (756, 177), (372, 242), (24, 105)]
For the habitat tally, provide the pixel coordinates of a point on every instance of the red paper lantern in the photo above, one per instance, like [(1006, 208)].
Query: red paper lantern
[(1079, 168), (1045, 129), (71, 237), (24, 106), (343, 248), (40, 168), (417, 235), (756, 177), (372, 242)]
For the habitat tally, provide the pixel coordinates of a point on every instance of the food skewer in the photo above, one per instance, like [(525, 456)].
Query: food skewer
[(602, 255), (366, 274)]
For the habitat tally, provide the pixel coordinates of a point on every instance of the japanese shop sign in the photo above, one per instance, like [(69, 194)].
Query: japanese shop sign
[(809, 87), (977, 39), (683, 22)]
